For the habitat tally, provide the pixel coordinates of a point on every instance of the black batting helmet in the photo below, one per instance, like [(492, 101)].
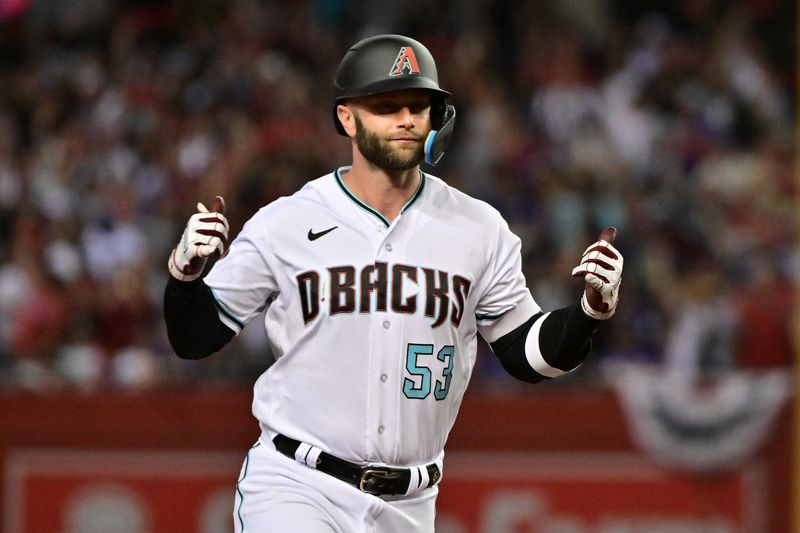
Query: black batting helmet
[(385, 63)]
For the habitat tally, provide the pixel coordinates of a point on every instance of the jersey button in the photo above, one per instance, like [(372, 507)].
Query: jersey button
[(381, 429), (388, 247), (384, 377), (386, 324)]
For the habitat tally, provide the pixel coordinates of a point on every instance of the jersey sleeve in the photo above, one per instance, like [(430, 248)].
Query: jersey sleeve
[(243, 283), (505, 302)]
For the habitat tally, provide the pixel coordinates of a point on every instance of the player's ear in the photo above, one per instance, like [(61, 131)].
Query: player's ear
[(347, 118)]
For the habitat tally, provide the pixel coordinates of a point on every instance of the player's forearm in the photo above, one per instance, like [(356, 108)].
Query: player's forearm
[(193, 325), (547, 345), (565, 337)]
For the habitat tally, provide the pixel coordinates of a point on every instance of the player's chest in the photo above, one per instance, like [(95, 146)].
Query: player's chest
[(324, 244), (340, 269)]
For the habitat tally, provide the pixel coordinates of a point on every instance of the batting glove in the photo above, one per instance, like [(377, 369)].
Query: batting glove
[(601, 269), (206, 234)]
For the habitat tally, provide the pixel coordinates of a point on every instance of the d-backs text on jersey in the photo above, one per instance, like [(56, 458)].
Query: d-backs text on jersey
[(381, 287)]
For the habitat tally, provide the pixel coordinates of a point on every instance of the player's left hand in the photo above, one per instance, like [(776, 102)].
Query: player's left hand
[(601, 268)]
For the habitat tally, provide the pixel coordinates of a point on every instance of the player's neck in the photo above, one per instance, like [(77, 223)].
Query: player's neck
[(387, 192)]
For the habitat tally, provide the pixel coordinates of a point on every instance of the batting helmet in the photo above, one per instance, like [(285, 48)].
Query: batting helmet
[(385, 63)]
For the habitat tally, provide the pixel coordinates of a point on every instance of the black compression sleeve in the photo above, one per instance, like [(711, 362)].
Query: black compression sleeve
[(193, 325), (510, 350), (566, 337), (564, 341)]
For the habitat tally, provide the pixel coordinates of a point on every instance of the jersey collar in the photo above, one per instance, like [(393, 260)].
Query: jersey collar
[(355, 199)]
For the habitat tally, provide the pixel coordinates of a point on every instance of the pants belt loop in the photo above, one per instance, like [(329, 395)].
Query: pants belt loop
[(424, 479), (307, 454), (414, 482)]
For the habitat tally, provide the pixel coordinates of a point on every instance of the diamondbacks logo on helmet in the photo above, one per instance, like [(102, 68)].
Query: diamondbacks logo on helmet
[(406, 63)]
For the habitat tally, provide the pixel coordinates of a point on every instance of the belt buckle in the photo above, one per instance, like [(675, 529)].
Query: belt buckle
[(368, 473)]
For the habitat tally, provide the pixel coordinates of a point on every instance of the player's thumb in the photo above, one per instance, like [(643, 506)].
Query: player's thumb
[(218, 205), (608, 234), (593, 295)]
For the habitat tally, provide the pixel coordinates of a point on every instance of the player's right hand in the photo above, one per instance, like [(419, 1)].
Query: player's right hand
[(206, 234)]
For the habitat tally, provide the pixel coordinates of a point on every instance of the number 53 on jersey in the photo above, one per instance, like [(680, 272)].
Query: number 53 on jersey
[(426, 374)]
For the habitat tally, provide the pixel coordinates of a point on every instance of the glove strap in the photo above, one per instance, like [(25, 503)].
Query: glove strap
[(178, 273), (597, 315)]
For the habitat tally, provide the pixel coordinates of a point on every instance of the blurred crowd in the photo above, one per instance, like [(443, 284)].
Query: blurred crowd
[(672, 121)]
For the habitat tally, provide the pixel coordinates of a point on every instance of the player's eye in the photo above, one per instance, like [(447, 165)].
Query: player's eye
[(385, 109), (388, 107)]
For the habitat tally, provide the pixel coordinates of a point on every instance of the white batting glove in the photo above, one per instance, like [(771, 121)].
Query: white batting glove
[(206, 234), (601, 268)]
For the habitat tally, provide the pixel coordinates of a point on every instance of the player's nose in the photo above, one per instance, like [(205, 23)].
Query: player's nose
[(405, 117)]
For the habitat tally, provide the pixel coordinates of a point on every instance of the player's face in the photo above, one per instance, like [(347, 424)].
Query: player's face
[(391, 128)]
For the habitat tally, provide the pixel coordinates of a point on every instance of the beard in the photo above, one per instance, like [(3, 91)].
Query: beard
[(382, 154)]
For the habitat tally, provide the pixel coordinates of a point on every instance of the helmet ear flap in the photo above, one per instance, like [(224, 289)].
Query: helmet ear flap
[(438, 111), (439, 137)]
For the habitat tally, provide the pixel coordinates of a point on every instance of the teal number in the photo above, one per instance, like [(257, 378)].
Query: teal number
[(410, 388), (445, 355), (421, 387)]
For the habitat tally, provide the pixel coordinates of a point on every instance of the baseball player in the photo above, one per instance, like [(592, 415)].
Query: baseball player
[(376, 280)]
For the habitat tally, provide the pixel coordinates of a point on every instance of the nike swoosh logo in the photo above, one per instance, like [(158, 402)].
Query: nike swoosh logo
[(314, 236)]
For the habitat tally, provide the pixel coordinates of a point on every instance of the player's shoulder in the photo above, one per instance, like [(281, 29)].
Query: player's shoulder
[(446, 196), (289, 207)]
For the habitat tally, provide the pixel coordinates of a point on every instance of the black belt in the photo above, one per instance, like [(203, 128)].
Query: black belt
[(376, 480)]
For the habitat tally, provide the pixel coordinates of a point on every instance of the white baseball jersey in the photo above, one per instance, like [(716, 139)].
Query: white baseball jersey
[(373, 323)]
